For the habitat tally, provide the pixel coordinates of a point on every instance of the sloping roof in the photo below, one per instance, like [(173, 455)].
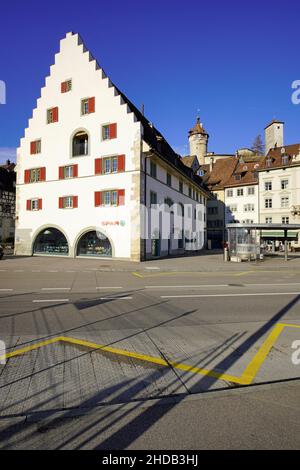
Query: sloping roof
[(221, 172), (245, 174), (8, 165), (189, 161), (197, 129), (274, 121), (275, 156)]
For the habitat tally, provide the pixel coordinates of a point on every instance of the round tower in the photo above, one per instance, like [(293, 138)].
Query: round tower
[(198, 139)]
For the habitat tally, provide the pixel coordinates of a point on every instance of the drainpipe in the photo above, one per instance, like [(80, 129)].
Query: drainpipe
[(145, 198)]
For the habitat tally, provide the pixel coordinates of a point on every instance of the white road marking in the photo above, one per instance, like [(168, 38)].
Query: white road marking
[(274, 284), (18, 270), (56, 288), (6, 290), (107, 287), (186, 286), (115, 298), (50, 300), (227, 295), (152, 267)]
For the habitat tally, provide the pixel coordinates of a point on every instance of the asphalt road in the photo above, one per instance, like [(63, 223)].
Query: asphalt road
[(146, 347)]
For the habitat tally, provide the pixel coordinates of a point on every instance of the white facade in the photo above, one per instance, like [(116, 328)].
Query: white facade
[(279, 191), (121, 223), (242, 204)]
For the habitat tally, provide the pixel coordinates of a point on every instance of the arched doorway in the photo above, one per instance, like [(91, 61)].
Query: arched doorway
[(94, 244), (51, 241)]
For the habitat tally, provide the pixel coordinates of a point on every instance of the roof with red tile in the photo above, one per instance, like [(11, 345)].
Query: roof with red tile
[(219, 175), (245, 173), (280, 157)]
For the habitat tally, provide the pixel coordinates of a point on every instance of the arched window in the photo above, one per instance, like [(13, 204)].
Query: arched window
[(94, 244), (51, 241), (80, 144)]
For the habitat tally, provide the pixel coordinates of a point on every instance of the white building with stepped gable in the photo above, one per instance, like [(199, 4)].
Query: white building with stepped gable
[(87, 162)]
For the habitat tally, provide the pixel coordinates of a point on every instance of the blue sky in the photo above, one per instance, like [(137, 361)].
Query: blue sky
[(233, 61)]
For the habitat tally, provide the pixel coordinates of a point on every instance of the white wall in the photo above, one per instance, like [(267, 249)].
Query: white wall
[(239, 202), (292, 174), (73, 63)]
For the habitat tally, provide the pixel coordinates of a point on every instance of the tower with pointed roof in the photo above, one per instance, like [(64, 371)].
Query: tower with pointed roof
[(198, 140)]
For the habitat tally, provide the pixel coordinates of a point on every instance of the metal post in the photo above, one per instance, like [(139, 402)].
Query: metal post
[(285, 246)]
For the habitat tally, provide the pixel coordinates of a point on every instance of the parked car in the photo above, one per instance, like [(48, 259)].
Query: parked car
[(1, 252)]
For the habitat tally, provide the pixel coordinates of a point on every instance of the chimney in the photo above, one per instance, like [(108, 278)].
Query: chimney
[(211, 164)]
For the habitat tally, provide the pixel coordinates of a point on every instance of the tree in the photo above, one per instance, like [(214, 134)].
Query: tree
[(258, 146)]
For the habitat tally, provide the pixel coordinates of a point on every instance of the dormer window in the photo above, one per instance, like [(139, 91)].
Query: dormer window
[(285, 159), (237, 177), (269, 162)]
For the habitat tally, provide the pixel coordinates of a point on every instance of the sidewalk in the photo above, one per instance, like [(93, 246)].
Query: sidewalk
[(208, 261), (259, 417)]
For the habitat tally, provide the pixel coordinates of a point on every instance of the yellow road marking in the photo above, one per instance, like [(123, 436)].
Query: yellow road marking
[(245, 379), (137, 275)]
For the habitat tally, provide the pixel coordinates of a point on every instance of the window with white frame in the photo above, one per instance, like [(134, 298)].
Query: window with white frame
[(249, 208), (285, 220), (285, 202), (284, 184), (251, 191), (35, 175), (68, 171), (268, 220), (85, 106), (68, 202), (240, 192), (110, 165), (229, 192), (268, 203), (34, 204), (268, 185)]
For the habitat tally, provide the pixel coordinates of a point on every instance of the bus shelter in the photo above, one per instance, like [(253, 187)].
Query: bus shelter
[(246, 241)]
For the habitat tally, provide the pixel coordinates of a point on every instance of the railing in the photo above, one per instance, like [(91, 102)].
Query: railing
[(80, 149)]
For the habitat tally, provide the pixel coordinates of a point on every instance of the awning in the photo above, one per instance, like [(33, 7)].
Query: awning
[(291, 234)]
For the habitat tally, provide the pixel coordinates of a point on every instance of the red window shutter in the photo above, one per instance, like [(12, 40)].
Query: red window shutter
[(75, 171), (32, 148), (28, 204), (98, 166), (113, 131), (55, 114), (121, 163), (40, 204), (61, 202), (121, 197), (75, 202), (27, 176), (98, 198), (43, 174), (91, 105), (63, 87), (61, 173)]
